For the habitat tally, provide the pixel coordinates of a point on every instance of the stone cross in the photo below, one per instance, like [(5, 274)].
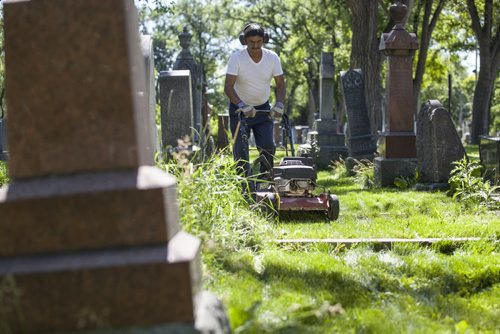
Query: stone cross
[(397, 140), (89, 232)]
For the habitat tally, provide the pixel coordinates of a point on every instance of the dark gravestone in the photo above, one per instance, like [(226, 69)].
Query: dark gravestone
[(89, 234), (489, 152), (176, 107), (438, 143), (3, 139), (361, 143)]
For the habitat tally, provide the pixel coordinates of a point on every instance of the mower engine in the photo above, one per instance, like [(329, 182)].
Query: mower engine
[(295, 176), (293, 184)]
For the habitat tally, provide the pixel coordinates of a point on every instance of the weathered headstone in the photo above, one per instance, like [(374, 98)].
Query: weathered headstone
[(397, 146), (149, 62), (176, 107), (361, 143), (438, 143), (89, 234), (489, 152), (331, 143), (185, 61), (3, 139)]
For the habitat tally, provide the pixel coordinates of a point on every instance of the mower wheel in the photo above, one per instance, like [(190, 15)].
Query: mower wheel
[(270, 205), (333, 208)]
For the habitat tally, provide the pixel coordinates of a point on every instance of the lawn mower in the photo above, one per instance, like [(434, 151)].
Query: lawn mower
[(293, 182)]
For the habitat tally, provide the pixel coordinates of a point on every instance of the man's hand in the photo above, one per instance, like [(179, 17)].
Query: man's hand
[(277, 111), (247, 110)]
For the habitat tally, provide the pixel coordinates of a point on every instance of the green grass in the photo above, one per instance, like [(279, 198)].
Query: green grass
[(472, 151), (322, 288), (407, 289), (4, 177)]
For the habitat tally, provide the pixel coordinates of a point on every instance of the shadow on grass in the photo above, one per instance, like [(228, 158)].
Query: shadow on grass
[(440, 292), (295, 280), (299, 217)]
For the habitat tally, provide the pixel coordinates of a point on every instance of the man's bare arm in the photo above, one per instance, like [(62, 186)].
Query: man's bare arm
[(229, 89), (280, 88)]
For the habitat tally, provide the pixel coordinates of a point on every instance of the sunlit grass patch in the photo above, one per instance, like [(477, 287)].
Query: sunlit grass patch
[(321, 287)]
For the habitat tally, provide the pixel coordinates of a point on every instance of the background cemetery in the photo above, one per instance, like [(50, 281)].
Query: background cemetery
[(416, 243)]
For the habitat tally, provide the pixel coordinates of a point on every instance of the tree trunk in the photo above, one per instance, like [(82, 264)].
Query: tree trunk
[(428, 25), (366, 56), (489, 57), (482, 97)]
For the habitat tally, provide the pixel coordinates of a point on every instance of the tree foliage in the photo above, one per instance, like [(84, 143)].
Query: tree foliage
[(301, 29)]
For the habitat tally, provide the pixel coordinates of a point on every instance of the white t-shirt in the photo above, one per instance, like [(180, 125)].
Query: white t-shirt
[(253, 82)]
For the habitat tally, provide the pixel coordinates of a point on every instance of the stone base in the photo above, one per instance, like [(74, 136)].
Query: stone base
[(386, 170), (397, 145), (327, 154), (95, 250), (210, 318), (331, 144), (103, 289), (88, 211)]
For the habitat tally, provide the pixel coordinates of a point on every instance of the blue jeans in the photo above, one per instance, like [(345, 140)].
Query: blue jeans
[(262, 127)]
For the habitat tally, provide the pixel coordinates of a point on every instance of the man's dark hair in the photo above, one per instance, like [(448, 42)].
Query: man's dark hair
[(253, 29)]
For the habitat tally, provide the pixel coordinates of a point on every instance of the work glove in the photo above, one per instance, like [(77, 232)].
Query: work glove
[(277, 111), (247, 110)]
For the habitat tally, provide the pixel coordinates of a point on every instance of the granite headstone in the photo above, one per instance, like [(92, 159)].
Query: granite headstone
[(438, 143), (361, 143), (332, 146), (89, 233), (185, 61), (176, 107)]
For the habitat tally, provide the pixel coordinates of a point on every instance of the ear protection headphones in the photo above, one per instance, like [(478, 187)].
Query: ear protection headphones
[(253, 29)]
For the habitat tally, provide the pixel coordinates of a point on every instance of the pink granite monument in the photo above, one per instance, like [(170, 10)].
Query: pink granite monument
[(397, 142), (89, 231)]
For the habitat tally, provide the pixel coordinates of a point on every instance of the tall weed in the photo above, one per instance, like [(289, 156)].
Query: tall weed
[(211, 202), (468, 186), (364, 174), (339, 169)]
